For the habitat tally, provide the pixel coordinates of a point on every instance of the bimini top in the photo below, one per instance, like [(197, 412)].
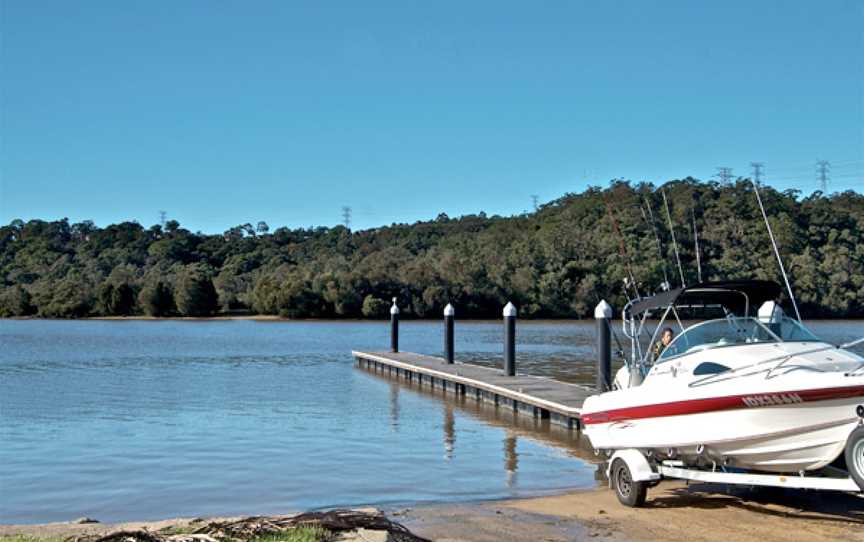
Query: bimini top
[(737, 296)]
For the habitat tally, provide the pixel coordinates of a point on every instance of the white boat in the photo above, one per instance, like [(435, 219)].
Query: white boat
[(740, 389)]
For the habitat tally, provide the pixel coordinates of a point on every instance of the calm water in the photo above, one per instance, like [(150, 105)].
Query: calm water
[(124, 420)]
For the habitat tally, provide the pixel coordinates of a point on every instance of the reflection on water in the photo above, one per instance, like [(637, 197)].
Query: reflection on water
[(513, 425), (511, 458), (129, 420), (124, 420), (449, 432), (394, 406)]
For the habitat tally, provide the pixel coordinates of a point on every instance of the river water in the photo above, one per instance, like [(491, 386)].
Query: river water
[(122, 420)]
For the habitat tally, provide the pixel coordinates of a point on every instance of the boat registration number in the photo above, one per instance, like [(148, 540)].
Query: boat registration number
[(771, 399)]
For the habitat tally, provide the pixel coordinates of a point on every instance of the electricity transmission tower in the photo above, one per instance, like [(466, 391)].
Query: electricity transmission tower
[(162, 215), (822, 169), (757, 170), (534, 200), (346, 216), (725, 174)]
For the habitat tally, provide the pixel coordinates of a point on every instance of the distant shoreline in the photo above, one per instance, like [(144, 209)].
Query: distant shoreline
[(276, 318)]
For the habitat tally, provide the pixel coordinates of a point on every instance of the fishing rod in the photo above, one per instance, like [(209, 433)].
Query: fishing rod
[(674, 243), (651, 221), (696, 240), (622, 249), (776, 251)]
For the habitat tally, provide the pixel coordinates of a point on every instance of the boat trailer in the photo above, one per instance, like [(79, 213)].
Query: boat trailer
[(630, 474)]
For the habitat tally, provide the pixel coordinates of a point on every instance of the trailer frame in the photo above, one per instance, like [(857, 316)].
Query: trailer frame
[(648, 473)]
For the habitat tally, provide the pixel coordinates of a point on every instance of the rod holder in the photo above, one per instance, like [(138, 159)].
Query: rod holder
[(394, 327), (603, 315), (449, 323), (510, 339)]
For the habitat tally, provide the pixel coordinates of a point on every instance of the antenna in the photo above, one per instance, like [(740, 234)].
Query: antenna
[(672, 231), (725, 174), (346, 217), (650, 219), (822, 167), (534, 200), (757, 171), (777, 252)]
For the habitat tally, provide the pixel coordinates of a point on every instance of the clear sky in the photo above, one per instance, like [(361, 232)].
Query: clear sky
[(224, 112)]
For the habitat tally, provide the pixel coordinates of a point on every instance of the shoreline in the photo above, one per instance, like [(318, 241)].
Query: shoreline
[(674, 511), (277, 318)]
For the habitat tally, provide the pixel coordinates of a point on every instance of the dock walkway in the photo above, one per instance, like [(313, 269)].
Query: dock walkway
[(537, 396)]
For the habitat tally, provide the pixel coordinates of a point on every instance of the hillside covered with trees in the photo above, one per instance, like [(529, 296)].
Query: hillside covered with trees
[(556, 262)]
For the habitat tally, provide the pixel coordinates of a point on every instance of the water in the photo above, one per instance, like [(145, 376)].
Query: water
[(124, 420)]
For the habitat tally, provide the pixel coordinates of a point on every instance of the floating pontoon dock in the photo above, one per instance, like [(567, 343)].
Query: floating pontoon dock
[(536, 396)]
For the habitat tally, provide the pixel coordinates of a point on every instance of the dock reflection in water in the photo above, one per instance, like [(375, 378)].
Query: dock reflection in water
[(511, 458), (449, 432), (570, 442)]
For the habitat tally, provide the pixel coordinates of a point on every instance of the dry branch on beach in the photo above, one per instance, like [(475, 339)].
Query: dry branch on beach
[(333, 522)]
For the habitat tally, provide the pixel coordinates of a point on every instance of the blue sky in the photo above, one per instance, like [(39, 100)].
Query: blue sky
[(222, 113)]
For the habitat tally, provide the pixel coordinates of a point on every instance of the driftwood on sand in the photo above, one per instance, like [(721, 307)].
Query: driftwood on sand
[(251, 528)]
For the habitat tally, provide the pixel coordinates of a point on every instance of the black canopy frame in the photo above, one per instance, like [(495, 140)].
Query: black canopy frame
[(737, 296)]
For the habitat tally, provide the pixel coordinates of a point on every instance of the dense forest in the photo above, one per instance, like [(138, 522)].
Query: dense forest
[(555, 262)]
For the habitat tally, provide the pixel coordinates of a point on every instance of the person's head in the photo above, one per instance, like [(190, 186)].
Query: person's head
[(667, 336)]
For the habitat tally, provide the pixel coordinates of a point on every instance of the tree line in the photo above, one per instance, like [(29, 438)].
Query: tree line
[(556, 262)]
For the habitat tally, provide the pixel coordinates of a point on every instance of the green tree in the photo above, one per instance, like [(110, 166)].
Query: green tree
[(156, 299), (555, 262), (123, 300), (15, 301), (195, 294), (104, 295), (374, 307), (70, 297), (115, 300)]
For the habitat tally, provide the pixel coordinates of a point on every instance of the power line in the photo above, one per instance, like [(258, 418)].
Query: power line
[(822, 167), (346, 216), (725, 174), (757, 170)]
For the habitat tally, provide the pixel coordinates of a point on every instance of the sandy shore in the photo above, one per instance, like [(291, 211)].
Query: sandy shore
[(674, 511)]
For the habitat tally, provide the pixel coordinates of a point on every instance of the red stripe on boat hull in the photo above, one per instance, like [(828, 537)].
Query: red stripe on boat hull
[(730, 402)]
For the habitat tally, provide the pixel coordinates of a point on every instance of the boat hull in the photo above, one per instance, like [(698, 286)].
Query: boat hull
[(781, 438)]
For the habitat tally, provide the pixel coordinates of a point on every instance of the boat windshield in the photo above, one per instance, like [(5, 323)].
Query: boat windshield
[(791, 330), (732, 331)]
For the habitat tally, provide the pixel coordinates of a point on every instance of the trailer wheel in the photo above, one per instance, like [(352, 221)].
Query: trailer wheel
[(629, 492), (855, 456)]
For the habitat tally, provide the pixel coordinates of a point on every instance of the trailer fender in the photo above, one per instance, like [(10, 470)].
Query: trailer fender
[(640, 469)]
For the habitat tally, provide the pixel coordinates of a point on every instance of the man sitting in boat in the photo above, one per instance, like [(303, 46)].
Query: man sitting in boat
[(664, 341)]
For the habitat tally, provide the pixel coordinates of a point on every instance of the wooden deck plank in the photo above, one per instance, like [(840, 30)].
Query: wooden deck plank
[(544, 393)]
